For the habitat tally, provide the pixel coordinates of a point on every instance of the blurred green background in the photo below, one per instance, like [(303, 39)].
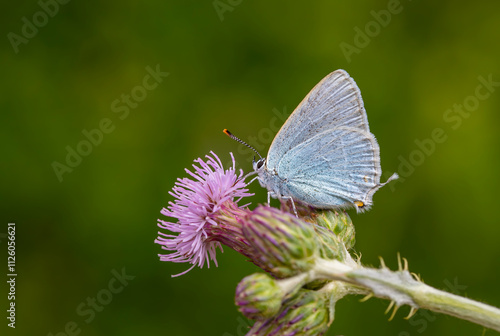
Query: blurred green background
[(234, 67)]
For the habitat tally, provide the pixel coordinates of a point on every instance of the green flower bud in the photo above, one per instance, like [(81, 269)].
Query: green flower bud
[(307, 313), (340, 224), (283, 244), (336, 233), (331, 247), (258, 296)]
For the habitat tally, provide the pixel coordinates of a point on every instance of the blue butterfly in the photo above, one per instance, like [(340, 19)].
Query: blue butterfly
[(324, 155)]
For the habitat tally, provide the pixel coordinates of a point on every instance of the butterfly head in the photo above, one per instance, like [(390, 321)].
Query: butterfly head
[(259, 165)]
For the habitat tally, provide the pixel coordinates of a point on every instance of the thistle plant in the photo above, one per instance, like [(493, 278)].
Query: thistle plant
[(307, 257)]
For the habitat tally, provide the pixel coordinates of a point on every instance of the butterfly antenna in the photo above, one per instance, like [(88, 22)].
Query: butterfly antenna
[(229, 134)]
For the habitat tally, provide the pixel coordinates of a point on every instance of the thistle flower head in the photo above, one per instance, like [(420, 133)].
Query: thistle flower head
[(198, 202), (282, 244)]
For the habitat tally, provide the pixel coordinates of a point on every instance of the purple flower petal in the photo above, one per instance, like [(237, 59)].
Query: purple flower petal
[(197, 202)]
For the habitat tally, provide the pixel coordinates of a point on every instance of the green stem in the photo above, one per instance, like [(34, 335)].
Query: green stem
[(466, 309), (402, 288)]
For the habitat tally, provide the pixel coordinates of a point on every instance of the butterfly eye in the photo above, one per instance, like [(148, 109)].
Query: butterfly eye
[(260, 163)]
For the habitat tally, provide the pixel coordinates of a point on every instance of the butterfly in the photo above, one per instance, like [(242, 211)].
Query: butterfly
[(324, 155)]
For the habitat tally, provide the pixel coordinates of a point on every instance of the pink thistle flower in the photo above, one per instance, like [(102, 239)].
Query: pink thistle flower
[(198, 204)]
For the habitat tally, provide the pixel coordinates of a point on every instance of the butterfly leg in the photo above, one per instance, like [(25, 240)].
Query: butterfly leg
[(274, 195), (269, 197), (293, 204), (256, 177)]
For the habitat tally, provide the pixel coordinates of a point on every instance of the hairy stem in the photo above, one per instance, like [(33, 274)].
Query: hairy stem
[(466, 309), (402, 288)]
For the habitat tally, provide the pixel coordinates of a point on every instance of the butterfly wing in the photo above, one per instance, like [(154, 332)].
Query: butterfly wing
[(336, 168), (334, 101)]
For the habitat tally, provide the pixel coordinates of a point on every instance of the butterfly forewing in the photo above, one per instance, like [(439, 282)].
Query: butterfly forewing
[(334, 101)]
